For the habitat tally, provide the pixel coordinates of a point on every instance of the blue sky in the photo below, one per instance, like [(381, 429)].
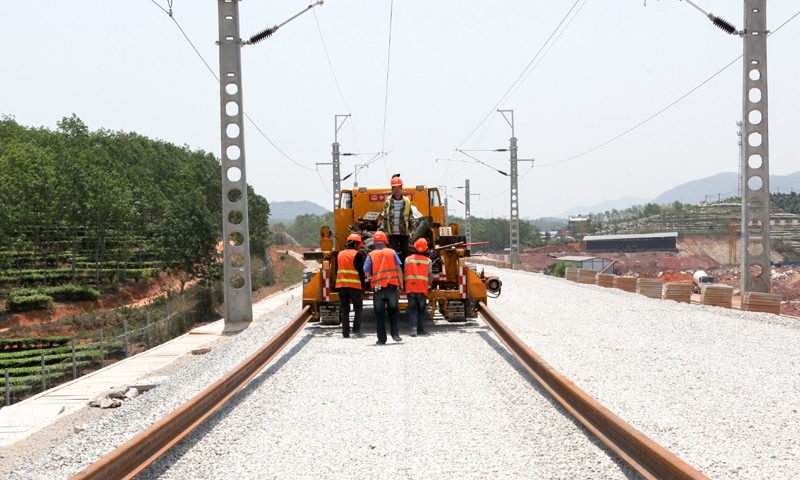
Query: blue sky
[(611, 65)]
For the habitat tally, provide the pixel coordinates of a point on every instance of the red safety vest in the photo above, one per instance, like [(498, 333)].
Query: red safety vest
[(417, 273), (346, 274), (384, 270)]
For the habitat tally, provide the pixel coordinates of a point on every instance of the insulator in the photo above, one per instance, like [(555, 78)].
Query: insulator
[(723, 24), (262, 35)]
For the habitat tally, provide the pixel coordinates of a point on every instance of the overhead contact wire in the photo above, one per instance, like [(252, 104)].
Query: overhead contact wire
[(663, 109), (523, 72), (335, 79), (512, 85), (386, 93), (214, 74), (550, 47)]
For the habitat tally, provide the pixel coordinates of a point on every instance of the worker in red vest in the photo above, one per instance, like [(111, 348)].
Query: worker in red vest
[(387, 281), (349, 276), (418, 274)]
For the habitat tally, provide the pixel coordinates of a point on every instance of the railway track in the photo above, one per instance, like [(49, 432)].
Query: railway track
[(632, 446)]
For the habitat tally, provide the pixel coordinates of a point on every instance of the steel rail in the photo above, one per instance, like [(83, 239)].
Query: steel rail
[(135, 455), (647, 457)]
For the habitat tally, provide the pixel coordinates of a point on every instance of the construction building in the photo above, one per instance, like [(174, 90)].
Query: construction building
[(632, 243)]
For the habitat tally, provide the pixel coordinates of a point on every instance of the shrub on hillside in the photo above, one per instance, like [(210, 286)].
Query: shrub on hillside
[(72, 292), (32, 302), (558, 269)]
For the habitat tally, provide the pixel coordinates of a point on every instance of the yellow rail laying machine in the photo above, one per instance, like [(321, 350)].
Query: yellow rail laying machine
[(455, 287)]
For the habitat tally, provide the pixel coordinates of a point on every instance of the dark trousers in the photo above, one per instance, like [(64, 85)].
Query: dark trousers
[(387, 299), (347, 295), (399, 243), (417, 308)]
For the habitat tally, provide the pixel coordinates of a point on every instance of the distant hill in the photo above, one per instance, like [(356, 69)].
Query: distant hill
[(723, 185), (719, 186), (286, 212), (619, 204)]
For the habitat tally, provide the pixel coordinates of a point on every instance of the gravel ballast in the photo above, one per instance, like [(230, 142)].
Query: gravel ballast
[(716, 387), (719, 388)]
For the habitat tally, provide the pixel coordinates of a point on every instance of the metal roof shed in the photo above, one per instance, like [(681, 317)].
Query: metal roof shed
[(641, 241), (592, 263)]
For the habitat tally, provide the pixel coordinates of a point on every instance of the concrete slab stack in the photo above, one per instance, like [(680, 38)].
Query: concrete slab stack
[(627, 284), (679, 292), (716, 295), (761, 302), (587, 275), (571, 274), (649, 287), (606, 280)]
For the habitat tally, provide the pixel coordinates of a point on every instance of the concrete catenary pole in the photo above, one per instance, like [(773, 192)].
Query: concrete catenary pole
[(741, 155), (513, 256), (466, 211), (337, 175), (235, 230), (755, 162)]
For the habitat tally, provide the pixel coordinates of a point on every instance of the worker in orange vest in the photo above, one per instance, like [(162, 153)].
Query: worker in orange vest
[(418, 274), (349, 276), (386, 272)]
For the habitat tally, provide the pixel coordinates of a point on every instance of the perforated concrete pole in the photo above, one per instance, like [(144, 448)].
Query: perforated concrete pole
[(467, 211), (236, 239), (337, 182), (514, 218), (755, 161)]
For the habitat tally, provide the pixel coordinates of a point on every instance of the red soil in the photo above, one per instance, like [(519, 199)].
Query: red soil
[(672, 276), (133, 295)]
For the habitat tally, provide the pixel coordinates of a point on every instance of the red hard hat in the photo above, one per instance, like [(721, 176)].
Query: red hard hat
[(355, 238), (421, 245), (396, 182), (379, 237)]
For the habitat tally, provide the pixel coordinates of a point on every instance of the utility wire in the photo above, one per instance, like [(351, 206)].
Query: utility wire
[(214, 74), (548, 49), (524, 71), (663, 109), (330, 64), (649, 118), (386, 93), (505, 95), (324, 184), (643, 121), (336, 80)]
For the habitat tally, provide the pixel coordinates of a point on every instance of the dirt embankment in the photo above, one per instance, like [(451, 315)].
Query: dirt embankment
[(285, 274), (131, 295)]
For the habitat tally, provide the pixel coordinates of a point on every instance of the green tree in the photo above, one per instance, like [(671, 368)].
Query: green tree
[(305, 228)]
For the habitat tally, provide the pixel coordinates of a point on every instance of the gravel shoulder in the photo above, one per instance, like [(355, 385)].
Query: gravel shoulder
[(717, 387), (446, 405)]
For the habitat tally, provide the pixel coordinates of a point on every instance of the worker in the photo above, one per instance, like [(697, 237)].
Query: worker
[(417, 279), (397, 218), (386, 272), (349, 277)]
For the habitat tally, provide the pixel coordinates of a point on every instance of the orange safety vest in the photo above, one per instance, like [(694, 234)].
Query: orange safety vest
[(346, 274), (417, 273), (384, 270)]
